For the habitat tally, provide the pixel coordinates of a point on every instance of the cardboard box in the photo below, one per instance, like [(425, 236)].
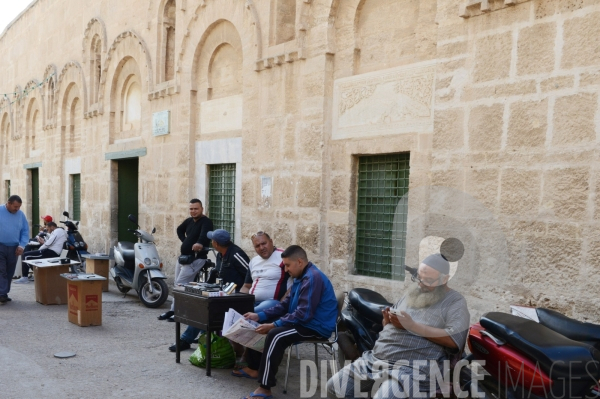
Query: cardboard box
[(85, 302), (98, 265), (50, 288)]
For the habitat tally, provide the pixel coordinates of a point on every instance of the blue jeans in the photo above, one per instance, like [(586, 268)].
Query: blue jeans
[(8, 264), (191, 333)]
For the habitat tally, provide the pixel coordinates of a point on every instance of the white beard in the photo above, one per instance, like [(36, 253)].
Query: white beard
[(417, 299)]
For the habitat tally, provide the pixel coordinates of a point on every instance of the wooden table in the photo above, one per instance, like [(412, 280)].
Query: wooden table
[(50, 288), (98, 264), (207, 314)]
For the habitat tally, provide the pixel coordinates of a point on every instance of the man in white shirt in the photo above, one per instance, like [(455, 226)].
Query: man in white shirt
[(266, 278), (51, 248)]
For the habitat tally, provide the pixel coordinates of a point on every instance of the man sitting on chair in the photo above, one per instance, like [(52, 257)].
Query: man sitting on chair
[(310, 311), (51, 248)]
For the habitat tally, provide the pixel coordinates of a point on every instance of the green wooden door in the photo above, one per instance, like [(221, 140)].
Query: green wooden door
[(128, 197), (35, 197)]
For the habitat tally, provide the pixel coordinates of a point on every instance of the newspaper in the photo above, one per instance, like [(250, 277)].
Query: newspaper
[(242, 331)]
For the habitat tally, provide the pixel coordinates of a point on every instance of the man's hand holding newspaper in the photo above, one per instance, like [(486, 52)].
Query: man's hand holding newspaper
[(244, 331)]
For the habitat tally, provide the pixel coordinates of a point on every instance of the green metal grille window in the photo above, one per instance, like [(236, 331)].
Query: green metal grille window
[(76, 197), (381, 217), (221, 197)]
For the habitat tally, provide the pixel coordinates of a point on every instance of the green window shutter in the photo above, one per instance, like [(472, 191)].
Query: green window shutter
[(221, 197), (35, 196), (76, 197), (380, 217)]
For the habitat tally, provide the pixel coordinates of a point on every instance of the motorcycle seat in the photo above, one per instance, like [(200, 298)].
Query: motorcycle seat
[(368, 303), (127, 250), (557, 355), (570, 328)]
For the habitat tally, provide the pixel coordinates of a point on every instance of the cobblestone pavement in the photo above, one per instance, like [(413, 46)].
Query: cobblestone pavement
[(126, 357)]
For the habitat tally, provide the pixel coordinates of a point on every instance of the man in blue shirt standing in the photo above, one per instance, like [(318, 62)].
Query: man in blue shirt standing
[(14, 235)]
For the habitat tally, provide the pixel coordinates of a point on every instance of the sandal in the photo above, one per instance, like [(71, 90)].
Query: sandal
[(259, 395), (242, 374)]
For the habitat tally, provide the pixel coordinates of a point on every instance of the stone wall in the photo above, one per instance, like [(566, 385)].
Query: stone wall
[(500, 103)]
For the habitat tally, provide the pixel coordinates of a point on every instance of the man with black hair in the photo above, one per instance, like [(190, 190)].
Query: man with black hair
[(194, 242), (428, 325), (310, 311), (51, 248), (14, 235)]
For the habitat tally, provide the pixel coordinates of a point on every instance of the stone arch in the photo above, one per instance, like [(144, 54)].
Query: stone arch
[(17, 109), (166, 32), (33, 127), (244, 17), (95, 27), (5, 130), (127, 45), (93, 50), (48, 96), (71, 118), (126, 100), (72, 72), (220, 38)]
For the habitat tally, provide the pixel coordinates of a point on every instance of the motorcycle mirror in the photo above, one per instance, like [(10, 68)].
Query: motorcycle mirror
[(411, 270), (65, 213), (452, 249), (154, 230), (132, 219), (77, 224)]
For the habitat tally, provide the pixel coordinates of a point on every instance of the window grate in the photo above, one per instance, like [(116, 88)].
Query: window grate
[(381, 217), (221, 198), (76, 197)]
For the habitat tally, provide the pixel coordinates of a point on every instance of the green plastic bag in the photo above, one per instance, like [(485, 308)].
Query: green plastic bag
[(223, 356)]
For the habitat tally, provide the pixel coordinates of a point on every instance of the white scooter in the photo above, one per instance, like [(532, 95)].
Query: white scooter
[(138, 266)]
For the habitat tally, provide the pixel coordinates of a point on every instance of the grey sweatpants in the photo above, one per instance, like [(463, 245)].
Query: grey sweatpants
[(380, 379), (186, 273)]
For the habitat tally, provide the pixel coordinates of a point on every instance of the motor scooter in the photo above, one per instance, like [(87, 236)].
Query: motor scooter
[(138, 266), (75, 244)]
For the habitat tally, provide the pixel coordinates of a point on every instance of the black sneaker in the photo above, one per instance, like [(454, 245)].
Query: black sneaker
[(166, 315), (4, 299), (182, 346)]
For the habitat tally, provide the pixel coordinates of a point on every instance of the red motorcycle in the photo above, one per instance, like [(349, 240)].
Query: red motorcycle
[(552, 357)]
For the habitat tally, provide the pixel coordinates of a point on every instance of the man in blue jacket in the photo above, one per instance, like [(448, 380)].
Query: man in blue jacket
[(310, 311), (14, 235)]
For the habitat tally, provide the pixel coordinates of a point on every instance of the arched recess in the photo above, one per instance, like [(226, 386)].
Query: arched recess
[(127, 45), (126, 101), (72, 72), (242, 15), (283, 21), (33, 121), (94, 49), (5, 134), (71, 112), (217, 81), (166, 30), (17, 109), (371, 35), (48, 96)]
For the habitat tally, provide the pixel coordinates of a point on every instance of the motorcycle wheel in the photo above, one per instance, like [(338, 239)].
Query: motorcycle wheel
[(122, 288), (157, 297)]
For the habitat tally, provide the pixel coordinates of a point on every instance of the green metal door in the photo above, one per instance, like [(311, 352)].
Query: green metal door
[(128, 197), (76, 197), (35, 197)]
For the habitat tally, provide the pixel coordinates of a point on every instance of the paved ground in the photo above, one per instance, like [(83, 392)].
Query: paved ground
[(125, 357)]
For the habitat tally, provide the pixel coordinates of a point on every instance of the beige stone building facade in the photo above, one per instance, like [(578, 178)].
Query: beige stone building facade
[(283, 115)]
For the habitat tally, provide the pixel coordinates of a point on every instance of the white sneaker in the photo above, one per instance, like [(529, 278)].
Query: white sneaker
[(22, 280)]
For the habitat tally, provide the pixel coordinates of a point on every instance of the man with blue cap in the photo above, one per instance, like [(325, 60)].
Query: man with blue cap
[(427, 326), (231, 267)]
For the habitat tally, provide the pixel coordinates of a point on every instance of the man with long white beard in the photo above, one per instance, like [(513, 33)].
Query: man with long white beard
[(427, 326)]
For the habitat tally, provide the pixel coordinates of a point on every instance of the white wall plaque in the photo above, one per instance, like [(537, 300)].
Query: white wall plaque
[(393, 101), (221, 115), (161, 123)]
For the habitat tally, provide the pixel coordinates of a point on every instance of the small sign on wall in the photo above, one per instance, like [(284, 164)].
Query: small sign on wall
[(161, 123)]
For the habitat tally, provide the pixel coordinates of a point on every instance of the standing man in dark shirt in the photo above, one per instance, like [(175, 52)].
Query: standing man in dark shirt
[(194, 241), (231, 267)]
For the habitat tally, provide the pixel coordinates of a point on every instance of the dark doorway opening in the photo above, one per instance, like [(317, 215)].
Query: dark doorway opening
[(127, 189)]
